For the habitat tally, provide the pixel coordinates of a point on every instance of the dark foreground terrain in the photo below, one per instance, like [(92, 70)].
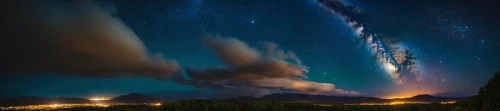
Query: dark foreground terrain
[(221, 105), (487, 99)]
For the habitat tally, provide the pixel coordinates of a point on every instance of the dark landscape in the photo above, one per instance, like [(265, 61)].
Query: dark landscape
[(250, 55), (281, 97), (487, 99)]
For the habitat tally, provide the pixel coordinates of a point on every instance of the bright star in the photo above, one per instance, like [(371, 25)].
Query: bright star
[(252, 22), (324, 73)]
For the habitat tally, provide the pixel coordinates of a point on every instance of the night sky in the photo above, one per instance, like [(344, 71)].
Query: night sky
[(455, 45)]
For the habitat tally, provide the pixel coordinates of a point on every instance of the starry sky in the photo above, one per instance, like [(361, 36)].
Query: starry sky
[(455, 44)]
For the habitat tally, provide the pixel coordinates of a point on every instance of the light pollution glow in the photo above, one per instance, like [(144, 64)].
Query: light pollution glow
[(64, 106), (97, 99), (410, 90), (401, 103)]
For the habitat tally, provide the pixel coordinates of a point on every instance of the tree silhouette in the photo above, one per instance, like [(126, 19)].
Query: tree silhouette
[(487, 99)]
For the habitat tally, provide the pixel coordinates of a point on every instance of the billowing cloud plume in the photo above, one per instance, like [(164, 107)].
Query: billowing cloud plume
[(248, 67), (388, 51), (74, 38), (232, 51)]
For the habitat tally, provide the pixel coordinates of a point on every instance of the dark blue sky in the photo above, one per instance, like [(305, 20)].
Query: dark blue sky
[(456, 43)]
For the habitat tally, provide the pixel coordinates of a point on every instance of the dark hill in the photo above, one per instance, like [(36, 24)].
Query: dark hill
[(488, 97), (33, 100), (22, 100), (318, 98), (430, 98), (134, 98), (179, 95), (292, 97)]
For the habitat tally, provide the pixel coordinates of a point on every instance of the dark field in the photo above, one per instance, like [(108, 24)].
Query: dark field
[(487, 99), (221, 105)]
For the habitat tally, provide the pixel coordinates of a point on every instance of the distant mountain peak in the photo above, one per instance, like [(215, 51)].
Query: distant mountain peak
[(135, 94), (348, 99), (423, 95)]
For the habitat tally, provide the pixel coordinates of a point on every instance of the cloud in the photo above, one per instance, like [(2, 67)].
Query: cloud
[(248, 67), (75, 38), (232, 51)]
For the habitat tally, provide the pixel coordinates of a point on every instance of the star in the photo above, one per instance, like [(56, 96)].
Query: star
[(442, 80), (324, 73), (253, 22)]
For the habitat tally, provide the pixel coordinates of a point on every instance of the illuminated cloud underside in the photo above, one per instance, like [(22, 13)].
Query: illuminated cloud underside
[(77, 38), (249, 67)]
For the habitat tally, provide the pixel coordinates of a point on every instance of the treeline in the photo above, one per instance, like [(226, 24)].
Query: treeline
[(487, 99), (221, 105)]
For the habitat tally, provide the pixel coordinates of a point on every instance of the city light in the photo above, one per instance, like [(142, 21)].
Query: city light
[(54, 105), (448, 102), (65, 106), (97, 99)]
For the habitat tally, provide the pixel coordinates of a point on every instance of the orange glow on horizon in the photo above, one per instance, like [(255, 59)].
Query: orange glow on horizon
[(157, 104), (98, 99), (409, 93), (410, 89), (395, 97), (54, 105)]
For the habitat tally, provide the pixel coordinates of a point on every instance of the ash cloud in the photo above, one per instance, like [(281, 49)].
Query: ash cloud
[(388, 51), (74, 38), (248, 67)]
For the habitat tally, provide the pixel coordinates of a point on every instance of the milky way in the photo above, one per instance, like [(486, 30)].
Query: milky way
[(380, 48), (387, 50)]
